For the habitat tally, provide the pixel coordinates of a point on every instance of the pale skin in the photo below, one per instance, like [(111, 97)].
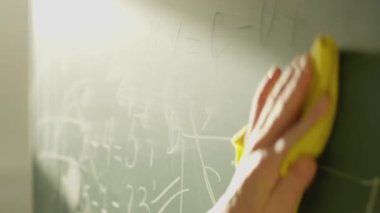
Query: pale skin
[(275, 125)]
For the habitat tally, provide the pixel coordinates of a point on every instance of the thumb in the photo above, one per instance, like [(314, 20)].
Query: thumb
[(289, 191)]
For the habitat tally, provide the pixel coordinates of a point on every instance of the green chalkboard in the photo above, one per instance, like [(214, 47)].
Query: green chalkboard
[(133, 102), (349, 174)]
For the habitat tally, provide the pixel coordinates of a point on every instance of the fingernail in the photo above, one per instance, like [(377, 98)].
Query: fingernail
[(324, 102), (325, 99), (272, 71)]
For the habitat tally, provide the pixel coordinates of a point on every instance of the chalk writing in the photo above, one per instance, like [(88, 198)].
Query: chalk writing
[(373, 184), (267, 25)]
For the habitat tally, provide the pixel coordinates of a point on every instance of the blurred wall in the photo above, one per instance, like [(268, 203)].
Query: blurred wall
[(15, 166)]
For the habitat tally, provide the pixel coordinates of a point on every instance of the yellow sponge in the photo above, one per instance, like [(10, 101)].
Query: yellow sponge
[(325, 59)]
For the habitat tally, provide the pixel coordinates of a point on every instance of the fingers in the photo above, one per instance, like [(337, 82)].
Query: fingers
[(260, 97), (259, 173), (283, 106), (290, 189), (304, 124), (278, 88), (276, 115)]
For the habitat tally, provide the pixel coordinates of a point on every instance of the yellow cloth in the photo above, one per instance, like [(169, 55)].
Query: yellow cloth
[(238, 142)]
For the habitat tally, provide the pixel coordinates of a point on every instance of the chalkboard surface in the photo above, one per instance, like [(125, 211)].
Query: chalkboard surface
[(349, 172), (133, 102)]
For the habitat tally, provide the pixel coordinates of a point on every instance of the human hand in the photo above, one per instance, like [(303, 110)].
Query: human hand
[(274, 126)]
